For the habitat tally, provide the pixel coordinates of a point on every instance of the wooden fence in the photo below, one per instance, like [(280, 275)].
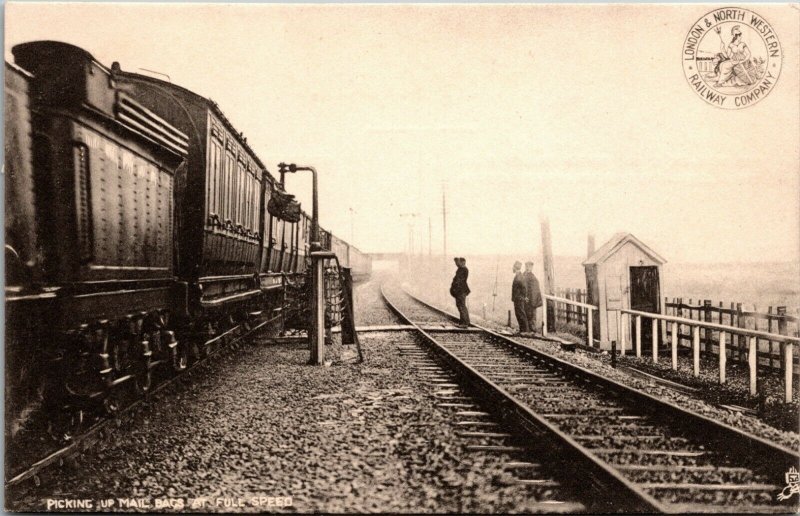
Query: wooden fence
[(750, 336), (577, 307), (570, 313), (776, 320)]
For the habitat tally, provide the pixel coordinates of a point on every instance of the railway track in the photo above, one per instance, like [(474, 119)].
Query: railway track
[(651, 455), (230, 340)]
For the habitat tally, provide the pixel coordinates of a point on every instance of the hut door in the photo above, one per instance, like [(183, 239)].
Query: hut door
[(644, 297)]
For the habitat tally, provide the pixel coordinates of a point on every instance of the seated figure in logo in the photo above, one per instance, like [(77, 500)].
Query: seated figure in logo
[(733, 65)]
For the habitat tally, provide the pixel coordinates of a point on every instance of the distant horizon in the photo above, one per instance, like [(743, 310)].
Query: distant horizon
[(794, 261)]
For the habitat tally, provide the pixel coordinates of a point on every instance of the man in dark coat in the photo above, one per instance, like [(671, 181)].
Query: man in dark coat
[(518, 295), (534, 295), (460, 290)]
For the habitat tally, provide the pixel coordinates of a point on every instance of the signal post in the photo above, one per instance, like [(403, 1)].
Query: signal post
[(316, 332)]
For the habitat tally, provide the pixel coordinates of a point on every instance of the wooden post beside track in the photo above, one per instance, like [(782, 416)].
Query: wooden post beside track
[(544, 322), (655, 339), (787, 371), (741, 322), (696, 351), (752, 362), (590, 327), (723, 359), (676, 331), (638, 336)]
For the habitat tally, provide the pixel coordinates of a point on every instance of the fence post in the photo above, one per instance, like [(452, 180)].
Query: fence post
[(621, 334), (769, 343), (590, 327), (707, 318), (614, 353), (567, 306), (752, 362), (696, 351), (722, 358), (783, 330), (676, 330), (655, 339), (741, 322), (544, 322), (680, 314), (788, 365), (638, 336)]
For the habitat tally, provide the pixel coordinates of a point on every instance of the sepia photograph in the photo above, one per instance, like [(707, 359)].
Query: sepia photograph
[(402, 258)]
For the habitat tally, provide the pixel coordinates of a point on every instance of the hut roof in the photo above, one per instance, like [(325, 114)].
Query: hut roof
[(615, 243)]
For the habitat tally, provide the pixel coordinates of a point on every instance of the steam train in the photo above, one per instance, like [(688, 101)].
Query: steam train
[(138, 235)]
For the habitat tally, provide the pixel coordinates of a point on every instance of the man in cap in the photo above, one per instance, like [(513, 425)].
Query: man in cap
[(518, 297), (460, 290), (534, 295)]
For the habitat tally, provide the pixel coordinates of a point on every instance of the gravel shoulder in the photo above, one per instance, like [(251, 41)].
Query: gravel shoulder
[(261, 423)]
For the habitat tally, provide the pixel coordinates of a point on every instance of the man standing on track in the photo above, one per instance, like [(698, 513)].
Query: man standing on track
[(518, 296), (460, 290), (533, 297)]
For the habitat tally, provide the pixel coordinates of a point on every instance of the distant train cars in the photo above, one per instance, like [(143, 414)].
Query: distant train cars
[(137, 233), (359, 263)]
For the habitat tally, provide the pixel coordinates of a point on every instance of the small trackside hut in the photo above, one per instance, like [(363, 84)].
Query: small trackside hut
[(623, 273)]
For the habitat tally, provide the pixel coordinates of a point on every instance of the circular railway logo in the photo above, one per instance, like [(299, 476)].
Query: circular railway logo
[(732, 58)]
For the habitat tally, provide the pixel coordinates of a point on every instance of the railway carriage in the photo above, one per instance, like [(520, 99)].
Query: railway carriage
[(92, 282), (137, 234), (360, 263)]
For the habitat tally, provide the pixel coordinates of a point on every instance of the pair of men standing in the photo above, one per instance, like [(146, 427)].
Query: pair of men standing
[(460, 290), (526, 296)]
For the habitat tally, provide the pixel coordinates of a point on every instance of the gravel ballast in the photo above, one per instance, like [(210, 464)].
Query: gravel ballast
[(262, 424), (369, 306), (600, 364)]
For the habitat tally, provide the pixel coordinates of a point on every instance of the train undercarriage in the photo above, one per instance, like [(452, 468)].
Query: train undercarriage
[(65, 375)]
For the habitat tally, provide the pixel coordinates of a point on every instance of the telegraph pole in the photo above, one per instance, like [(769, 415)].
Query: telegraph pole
[(430, 253), (547, 257), (410, 230), (549, 280)]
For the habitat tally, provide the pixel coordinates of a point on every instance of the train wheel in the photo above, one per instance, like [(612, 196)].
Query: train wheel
[(111, 404), (179, 358), (196, 351), (65, 424), (144, 378), (143, 381), (120, 355)]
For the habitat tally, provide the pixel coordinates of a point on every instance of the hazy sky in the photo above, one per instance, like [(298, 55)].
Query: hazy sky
[(581, 113)]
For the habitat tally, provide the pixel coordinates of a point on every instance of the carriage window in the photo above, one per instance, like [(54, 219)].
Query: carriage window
[(230, 170), (215, 181)]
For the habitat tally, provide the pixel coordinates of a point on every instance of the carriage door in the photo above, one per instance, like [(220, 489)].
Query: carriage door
[(645, 295)]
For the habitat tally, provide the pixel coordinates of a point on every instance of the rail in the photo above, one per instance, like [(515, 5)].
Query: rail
[(102, 428), (626, 493), (751, 335), (589, 315), (780, 457)]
